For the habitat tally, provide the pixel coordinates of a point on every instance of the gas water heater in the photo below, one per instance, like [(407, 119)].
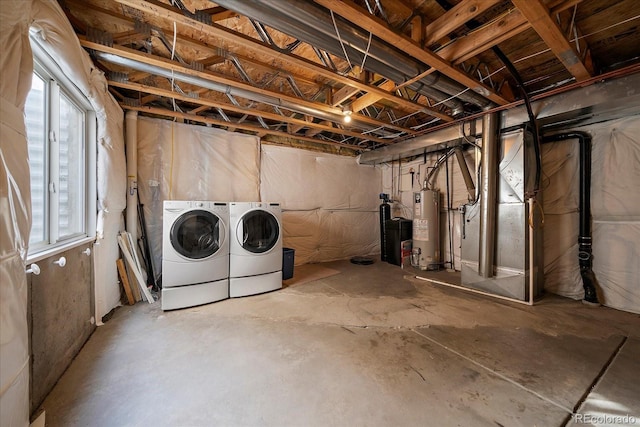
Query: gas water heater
[(425, 253)]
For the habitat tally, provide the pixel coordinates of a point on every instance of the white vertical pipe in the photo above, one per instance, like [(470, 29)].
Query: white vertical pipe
[(131, 141), (489, 192)]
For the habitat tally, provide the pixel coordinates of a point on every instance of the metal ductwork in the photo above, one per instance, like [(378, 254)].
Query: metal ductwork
[(314, 24), (234, 91), (488, 194)]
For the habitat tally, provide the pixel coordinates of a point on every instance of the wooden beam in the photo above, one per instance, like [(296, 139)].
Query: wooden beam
[(199, 109), (211, 60), (314, 132), (172, 15), (343, 94), (219, 13), (295, 128), (540, 19), (169, 65), (222, 123), (124, 279), (505, 26), (137, 75), (197, 44), (147, 99), (371, 98), (127, 37), (456, 17), (205, 103), (354, 13), (417, 30)]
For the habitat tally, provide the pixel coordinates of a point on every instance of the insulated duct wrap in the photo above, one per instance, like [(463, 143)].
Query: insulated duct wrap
[(314, 24)]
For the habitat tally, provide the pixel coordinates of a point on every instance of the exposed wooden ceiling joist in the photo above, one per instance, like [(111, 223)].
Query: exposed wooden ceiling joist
[(169, 65), (354, 13), (207, 120), (250, 111), (219, 13), (503, 27), (232, 51), (174, 16), (216, 53), (541, 20), (370, 98), (456, 17)]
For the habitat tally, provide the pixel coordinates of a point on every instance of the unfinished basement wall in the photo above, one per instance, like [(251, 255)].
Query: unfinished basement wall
[(615, 210), (329, 202)]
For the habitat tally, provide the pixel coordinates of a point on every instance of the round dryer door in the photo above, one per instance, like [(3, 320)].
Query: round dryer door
[(197, 234), (258, 231)]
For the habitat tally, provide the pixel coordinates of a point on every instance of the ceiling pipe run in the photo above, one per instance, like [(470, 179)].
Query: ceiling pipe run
[(234, 91), (314, 24)]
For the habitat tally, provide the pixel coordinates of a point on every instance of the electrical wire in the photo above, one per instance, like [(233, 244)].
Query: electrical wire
[(333, 19), (532, 118), (533, 55), (366, 52)]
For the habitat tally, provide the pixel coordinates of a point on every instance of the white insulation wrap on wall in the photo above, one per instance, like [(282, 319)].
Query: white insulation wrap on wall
[(177, 161), (58, 39), (329, 202), (615, 210)]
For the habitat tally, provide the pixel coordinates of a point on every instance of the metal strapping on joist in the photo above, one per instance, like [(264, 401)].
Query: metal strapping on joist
[(202, 16), (118, 76), (98, 36), (131, 102), (197, 66), (142, 27)]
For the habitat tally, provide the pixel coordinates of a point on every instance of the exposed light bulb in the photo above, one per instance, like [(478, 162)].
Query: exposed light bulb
[(347, 118)]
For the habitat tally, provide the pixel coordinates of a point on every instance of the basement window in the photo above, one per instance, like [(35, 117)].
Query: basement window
[(61, 134)]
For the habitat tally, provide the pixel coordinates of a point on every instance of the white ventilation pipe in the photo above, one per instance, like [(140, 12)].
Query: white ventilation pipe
[(131, 151)]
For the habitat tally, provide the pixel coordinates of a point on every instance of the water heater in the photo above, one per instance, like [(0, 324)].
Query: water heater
[(425, 254)]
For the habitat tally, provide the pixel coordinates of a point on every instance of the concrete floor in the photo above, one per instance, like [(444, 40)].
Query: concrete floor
[(360, 345)]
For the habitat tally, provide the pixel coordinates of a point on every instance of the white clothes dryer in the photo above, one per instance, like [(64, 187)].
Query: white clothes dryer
[(255, 248), (195, 253)]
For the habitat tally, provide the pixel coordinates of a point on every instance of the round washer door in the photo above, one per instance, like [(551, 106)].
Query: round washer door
[(197, 234), (258, 231)]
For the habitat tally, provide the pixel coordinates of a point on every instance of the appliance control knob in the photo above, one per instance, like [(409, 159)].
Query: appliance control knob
[(199, 204)]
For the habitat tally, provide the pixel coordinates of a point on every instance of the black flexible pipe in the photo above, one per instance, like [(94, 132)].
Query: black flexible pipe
[(473, 24), (532, 118), (585, 257)]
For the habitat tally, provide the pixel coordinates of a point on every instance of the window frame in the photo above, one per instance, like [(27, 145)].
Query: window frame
[(60, 84)]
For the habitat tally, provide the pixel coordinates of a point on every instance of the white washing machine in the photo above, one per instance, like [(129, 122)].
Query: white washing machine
[(255, 248), (195, 253)]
